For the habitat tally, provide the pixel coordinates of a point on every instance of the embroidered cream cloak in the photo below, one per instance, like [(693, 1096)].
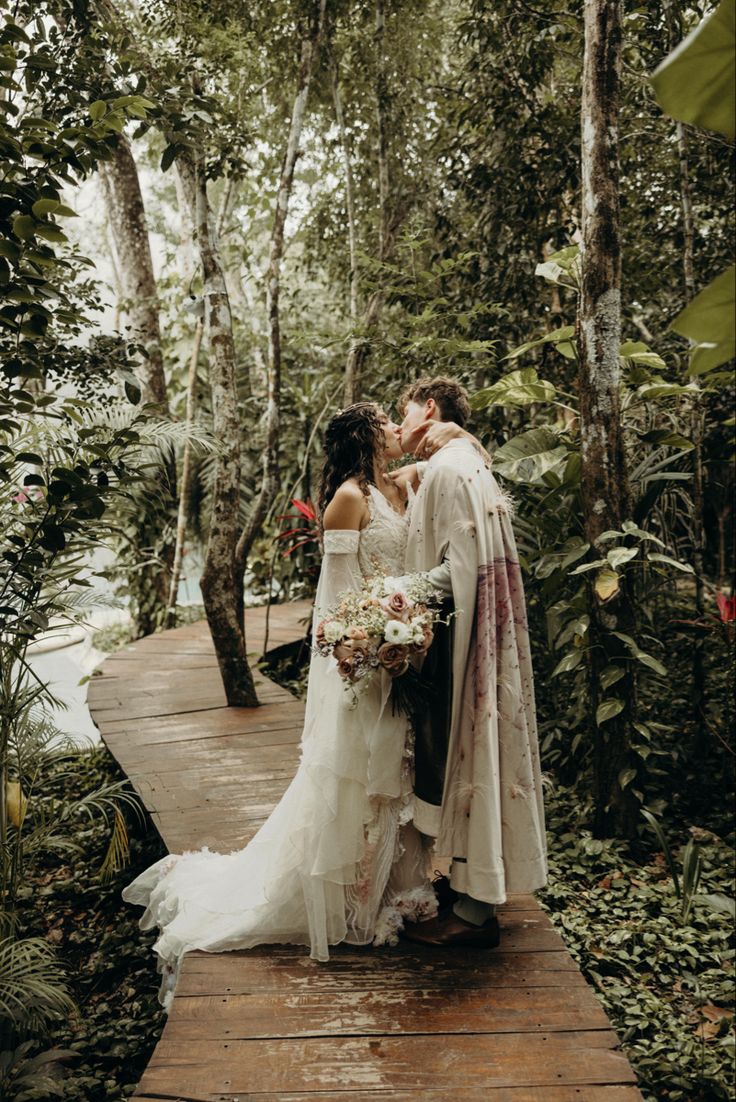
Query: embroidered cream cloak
[(492, 813)]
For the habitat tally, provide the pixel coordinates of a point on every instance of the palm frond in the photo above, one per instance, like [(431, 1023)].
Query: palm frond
[(33, 990), (118, 850)]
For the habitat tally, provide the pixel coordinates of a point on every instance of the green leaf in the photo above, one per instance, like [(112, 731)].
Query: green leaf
[(528, 457), (24, 226), (557, 335), (632, 529), (639, 353), (710, 322), (568, 662), (618, 555), (639, 654), (610, 675), (655, 556), (42, 207), (588, 566), (168, 156), (671, 439), (519, 388), (626, 776), (607, 709), (97, 110), (9, 249), (722, 904), (695, 82)]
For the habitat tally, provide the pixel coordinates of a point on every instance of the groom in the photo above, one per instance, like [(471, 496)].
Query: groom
[(478, 786)]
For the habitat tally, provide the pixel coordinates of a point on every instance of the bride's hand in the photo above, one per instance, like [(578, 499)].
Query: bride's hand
[(437, 434), (404, 477)]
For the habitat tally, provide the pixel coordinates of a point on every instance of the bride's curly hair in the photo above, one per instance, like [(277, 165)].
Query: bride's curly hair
[(353, 437)]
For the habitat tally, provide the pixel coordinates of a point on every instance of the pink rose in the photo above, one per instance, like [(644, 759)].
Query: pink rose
[(394, 658), (357, 633), (397, 606)]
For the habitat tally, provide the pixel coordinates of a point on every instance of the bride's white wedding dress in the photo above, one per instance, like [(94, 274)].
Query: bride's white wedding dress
[(338, 859)]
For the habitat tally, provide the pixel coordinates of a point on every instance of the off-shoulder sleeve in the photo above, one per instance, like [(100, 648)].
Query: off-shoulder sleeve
[(340, 571), (339, 541)]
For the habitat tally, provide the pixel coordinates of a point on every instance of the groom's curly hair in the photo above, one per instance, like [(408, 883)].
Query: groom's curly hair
[(450, 395), (353, 438)]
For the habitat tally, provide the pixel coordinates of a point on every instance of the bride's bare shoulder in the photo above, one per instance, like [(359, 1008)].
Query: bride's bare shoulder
[(348, 507)]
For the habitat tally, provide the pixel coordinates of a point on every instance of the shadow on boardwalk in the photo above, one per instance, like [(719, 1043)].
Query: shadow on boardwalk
[(516, 1024)]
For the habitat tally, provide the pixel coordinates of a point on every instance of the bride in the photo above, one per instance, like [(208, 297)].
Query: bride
[(338, 859)]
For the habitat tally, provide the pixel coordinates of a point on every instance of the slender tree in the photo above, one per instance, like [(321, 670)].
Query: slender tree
[(696, 433), (310, 47), (388, 218), (134, 269), (605, 488), (221, 581), (351, 362)]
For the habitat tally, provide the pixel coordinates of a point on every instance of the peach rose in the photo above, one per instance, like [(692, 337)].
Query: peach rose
[(394, 658), (357, 633), (356, 649)]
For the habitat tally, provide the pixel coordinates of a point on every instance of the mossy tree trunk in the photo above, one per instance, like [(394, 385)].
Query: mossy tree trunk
[(605, 486), (149, 586), (221, 586)]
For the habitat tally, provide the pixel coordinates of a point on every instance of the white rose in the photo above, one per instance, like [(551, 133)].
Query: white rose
[(334, 631), (398, 632)]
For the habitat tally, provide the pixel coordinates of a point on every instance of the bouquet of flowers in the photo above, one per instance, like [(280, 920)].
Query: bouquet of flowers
[(381, 627)]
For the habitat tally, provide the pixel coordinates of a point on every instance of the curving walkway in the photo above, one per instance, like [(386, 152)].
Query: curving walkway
[(517, 1024)]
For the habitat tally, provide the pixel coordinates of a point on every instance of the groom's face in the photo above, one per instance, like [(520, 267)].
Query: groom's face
[(417, 417)]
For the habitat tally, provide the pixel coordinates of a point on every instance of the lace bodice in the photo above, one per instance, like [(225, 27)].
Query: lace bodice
[(382, 545)]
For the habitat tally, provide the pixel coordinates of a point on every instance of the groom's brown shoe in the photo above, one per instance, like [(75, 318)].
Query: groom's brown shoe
[(450, 930)]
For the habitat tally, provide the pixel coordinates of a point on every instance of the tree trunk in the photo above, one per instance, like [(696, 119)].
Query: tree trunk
[(605, 488), (128, 222), (188, 259), (387, 222), (350, 364), (697, 427), (119, 176), (182, 516), (221, 591), (270, 478)]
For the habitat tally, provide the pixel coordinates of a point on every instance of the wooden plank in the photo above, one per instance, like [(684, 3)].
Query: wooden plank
[(548, 1093), (425, 1010), (348, 1063), (529, 970)]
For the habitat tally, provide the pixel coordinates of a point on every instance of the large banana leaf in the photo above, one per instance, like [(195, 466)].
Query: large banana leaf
[(695, 82), (710, 321), (528, 457), (518, 388)]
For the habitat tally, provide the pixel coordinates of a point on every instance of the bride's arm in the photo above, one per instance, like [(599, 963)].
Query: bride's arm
[(343, 518), (440, 433)]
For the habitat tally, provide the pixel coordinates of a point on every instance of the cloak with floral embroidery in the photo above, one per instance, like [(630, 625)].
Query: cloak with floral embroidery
[(492, 813)]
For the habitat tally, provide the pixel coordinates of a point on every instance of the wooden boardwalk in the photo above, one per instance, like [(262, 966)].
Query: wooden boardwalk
[(515, 1024)]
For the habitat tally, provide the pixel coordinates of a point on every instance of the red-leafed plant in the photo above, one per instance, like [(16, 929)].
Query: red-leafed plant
[(305, 532)]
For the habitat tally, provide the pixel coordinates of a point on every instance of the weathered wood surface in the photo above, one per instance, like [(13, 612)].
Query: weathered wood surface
[(516, 1024)]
